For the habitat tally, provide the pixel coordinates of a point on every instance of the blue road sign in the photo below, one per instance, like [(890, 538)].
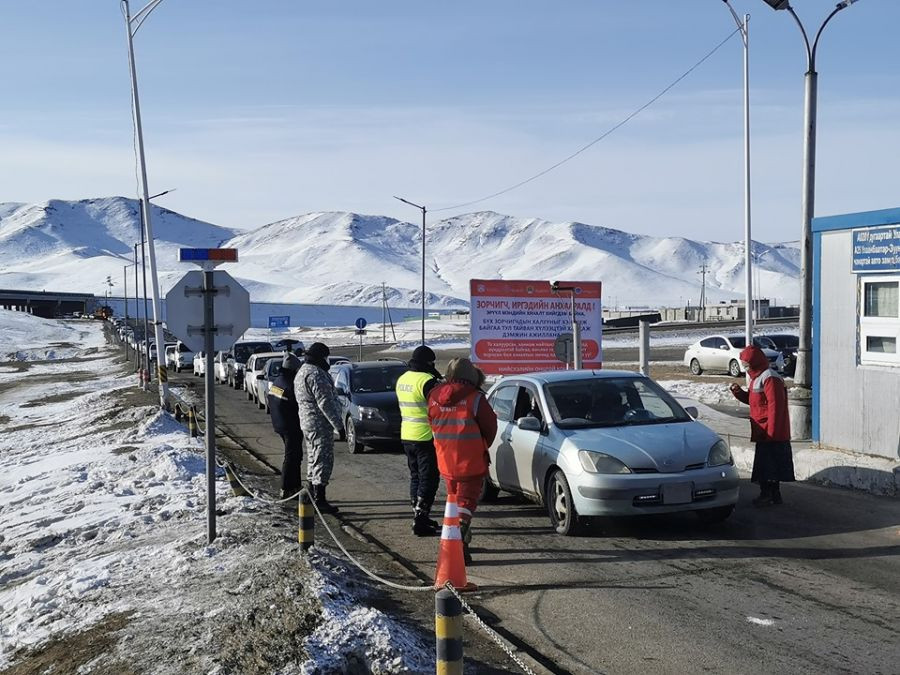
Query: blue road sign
[(876, 249), (361, 323), (279, 321)]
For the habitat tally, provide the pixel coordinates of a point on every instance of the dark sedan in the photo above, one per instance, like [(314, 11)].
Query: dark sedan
[(787, 344), (368, 402)]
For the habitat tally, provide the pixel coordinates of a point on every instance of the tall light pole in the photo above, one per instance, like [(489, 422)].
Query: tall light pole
[(800, 395), (132, 25), (424, 210), (744, 27)]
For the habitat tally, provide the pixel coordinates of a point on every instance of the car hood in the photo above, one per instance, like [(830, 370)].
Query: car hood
[(652, 447), (385, 400)]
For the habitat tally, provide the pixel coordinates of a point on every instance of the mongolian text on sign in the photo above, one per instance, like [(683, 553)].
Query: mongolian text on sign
[(515, 324), (279, 321), (876, 249)]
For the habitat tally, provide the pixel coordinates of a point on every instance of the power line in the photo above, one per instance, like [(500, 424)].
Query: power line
[(599, 138)]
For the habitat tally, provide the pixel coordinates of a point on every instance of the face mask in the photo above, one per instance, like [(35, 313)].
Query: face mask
[(745, 365)]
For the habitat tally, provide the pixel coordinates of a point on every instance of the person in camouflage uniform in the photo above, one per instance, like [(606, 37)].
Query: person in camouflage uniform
[(319, 414)]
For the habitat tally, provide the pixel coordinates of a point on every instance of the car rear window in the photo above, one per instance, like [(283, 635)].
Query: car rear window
[(368, 380), (243, 350)]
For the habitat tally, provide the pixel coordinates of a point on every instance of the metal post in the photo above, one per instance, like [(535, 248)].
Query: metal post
[(802, 377), (137, 311), (644, 349), (576, 337), (145, 203), (148, 373), (208, 327), (748, 242), (360, 344), (125, 293), (423, 275), (383, 310)]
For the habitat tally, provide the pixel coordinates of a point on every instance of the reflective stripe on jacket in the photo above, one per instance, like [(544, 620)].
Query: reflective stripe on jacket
[(458, 441), (413, 406)]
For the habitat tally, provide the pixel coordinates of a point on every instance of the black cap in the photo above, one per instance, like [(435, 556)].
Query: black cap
[(424, 354), (318, 350)]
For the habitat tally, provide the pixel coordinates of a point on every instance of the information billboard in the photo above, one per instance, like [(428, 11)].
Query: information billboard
[(515, 324)]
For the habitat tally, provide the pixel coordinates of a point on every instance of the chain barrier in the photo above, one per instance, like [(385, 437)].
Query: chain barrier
[(494, 635)]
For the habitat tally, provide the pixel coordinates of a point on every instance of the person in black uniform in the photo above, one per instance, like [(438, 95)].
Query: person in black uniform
[(286, 422)]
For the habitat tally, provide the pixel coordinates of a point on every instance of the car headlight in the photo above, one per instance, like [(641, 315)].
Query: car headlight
[(367, 413), (597, 462), (719, 454)]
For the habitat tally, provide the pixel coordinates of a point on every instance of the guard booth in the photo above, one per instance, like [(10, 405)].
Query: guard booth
[(856, 332)]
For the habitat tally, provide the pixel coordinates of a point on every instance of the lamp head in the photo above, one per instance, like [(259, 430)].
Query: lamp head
[(843, 4), (778, 4)]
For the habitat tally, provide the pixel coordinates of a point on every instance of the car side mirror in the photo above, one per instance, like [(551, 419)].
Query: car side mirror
[(725, 347), (261, 376), (529, 423), (692, 411)]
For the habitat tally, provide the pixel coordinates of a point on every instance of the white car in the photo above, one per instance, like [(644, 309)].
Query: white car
[(253, 374), (722, 353), (269, 375), (199, 364), (220, 367), (183, 357)]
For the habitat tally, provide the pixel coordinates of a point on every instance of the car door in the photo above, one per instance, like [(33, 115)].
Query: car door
[(526, 443), (503, 470), (707, 353), (342, 389), (722, 353)]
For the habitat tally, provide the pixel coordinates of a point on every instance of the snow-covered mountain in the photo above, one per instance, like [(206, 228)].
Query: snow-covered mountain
[(343, 258)]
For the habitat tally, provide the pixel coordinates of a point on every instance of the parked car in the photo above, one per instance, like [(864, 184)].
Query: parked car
[(241, 352), (182, 357), (788, 345), (199, 364), (220, 366), (369, 407), (289, 345), (605, 443), (256, 364), (723, 353), (170, 356)]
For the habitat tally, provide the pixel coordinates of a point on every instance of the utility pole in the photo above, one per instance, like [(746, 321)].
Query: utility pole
[(137, 312), (383, 311), (704, 269)]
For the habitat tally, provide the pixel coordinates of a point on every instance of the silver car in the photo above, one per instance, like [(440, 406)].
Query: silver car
[(605, 443)]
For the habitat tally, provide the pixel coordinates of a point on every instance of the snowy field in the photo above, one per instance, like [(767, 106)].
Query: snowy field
[(24, 337), (103, 555)]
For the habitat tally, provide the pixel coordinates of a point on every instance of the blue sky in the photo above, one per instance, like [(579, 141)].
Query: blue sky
[(261, 111)]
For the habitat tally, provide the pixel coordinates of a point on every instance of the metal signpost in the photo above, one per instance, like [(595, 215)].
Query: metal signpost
[(361, 324), (563, 348), (215, 294)]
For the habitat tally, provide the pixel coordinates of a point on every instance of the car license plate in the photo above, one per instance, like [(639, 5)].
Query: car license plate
[(677, 493)]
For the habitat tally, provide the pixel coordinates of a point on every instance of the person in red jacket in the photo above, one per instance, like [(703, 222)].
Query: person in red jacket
[(464, 425), (770, 426)]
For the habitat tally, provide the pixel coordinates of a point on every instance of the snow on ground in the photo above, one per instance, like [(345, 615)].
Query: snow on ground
[(25, 337), (103, 530), (710, 393)]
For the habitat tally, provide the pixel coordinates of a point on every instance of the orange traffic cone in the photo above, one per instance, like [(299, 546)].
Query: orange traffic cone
[(451, 565)]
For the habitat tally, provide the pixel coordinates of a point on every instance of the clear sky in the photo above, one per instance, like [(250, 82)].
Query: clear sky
[(257, 111)]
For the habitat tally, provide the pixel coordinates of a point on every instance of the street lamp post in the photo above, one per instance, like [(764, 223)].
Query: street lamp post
[(424, 210), (576, 327), (132, 25), (744, 27), (800, 395)]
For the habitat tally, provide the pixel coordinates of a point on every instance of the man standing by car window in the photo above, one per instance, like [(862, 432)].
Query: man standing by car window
[(286, 423), (464, 426), (319, 414), (770, 426), (415, 433)]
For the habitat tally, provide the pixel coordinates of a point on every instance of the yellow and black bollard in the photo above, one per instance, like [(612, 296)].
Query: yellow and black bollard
[(306, 533), (448, 631), (192, 421), (236, 488)]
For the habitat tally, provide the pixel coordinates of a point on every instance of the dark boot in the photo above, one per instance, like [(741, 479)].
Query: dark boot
[(321, 501), (765, 495), (776, 493), (465, 531), (423, 526)]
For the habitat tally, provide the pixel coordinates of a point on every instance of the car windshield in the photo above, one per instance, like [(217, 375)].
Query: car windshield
[(611, 402), (273, 368), (262, 361), (737, 342), (785, 341), (368, 380), (243, 350)]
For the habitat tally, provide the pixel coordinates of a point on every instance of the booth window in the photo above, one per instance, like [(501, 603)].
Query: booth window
[(879, 320)]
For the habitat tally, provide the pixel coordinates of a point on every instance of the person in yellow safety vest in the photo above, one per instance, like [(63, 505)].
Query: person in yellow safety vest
[(415, 433)]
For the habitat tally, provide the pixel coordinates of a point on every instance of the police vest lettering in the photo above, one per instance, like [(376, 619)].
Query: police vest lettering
[(410, 390)]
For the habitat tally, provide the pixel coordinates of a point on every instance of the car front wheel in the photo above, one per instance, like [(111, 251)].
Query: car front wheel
[(734, 368), (350, 433), (695, 367), (560, 507)]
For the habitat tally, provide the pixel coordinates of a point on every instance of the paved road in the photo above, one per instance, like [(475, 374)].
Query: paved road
[(812, 586)]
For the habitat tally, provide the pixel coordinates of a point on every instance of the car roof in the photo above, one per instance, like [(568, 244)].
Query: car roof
[(257, 355), (551, 376)]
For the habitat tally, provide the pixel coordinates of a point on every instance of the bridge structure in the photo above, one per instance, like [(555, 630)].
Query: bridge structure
[(46, 304)]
